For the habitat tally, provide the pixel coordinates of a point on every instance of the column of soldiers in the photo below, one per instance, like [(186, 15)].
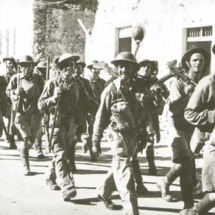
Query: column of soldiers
[(128, 109)]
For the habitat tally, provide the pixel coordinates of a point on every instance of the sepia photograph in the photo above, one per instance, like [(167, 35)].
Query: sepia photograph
[(107, 107)]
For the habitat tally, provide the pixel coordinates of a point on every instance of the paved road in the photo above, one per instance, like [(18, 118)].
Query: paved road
[(29, 195)]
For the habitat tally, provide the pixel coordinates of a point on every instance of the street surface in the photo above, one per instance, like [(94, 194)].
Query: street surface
[(29, 195)]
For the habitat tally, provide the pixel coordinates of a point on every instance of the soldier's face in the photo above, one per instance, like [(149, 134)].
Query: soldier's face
[(196, 62), (95, 73), (68, 70), (26, 69), (9, 66), (145, 69), (124, 70), (78, 70)]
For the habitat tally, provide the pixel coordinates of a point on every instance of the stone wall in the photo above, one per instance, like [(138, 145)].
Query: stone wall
[(56, 29)]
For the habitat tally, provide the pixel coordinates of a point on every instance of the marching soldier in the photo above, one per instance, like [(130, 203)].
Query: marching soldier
[(194, 61), (61, 96), (24, 90), (3, 105), (145, 74), (97, 84), (200, 112), (123, 114), (11, 68), (78, 75)]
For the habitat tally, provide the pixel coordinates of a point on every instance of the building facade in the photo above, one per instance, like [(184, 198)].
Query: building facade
[(171, 28)]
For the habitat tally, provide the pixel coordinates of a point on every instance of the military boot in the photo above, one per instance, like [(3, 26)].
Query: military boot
[(164, 183), (69, 193), (140, 188), (151, 161), (24, 157), (38, 148)]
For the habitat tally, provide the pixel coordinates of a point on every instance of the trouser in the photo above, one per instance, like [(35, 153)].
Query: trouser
[(1, 123), (121, 177), (63, 149), (182, 157)]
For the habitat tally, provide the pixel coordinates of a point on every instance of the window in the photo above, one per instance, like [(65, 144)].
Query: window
[(123, 40), (199, 37)]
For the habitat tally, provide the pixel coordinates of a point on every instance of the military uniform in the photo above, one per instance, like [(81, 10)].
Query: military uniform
[(63, 144), (123, 143), (3, 103), (27, 117), (200, 113)]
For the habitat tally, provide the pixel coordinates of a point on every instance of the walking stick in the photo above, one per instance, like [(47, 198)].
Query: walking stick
[(46, 115), (53, 125)]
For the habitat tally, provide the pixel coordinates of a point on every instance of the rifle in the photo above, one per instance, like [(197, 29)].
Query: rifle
[(180, 73), (46, 116)]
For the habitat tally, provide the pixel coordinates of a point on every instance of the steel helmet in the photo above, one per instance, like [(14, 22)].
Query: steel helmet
[(12, 59), (26, 59), (81, 63), (126, 57), (187, 55), (67, 57)]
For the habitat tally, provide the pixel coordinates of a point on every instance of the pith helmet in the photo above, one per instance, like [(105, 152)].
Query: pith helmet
[(81, 63), (126, 57), (94, 64), (12, 59), (187, 55), (67, 57), (26, 59)]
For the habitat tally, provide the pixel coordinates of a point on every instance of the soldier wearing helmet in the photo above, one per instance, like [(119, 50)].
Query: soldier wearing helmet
[(122, 113), (78, 74), (10, 70), (97, 85), (61, 96), (194, 61), (24, 90)]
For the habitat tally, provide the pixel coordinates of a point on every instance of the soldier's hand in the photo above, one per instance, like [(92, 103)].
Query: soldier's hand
[(57, 93), (158, 137), (188, 89)]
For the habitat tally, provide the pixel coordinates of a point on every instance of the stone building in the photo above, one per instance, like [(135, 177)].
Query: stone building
[(171, 27), (45, 28), (99, 29)]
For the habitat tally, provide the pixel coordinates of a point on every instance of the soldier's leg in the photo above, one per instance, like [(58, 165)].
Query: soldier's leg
[(38, 144), (150, 156), (50, 176), (90, 120), (24, 156), (140, 188), (22, 124), (10, 136), (105, 190), (1, 123), (36, 134), (165, 182), (124, 180), (186, 185), (70, 145), (64, 178)]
